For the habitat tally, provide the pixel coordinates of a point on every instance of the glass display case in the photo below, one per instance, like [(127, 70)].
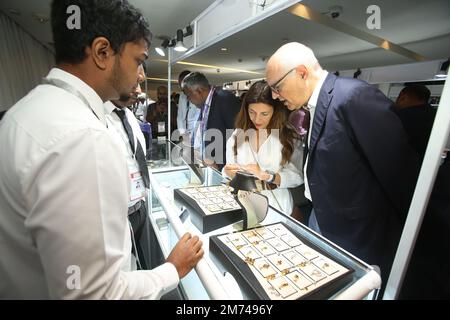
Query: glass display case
[(215, 277)]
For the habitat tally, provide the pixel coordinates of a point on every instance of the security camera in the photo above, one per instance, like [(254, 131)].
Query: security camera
[(335, 11)]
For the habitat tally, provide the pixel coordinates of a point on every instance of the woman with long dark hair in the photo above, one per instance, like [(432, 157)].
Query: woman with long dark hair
[(266, 145)]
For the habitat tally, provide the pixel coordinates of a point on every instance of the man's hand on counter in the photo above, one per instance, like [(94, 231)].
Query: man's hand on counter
[(186, 253)]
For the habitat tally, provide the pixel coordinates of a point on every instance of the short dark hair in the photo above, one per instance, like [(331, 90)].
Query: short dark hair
[(116, 20), (195, 79), (419, 92), (183, 74)]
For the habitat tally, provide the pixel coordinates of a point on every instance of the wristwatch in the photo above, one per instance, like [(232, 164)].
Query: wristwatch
[(272, 177)]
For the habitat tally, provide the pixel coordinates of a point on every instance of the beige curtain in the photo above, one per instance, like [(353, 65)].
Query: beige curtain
[(23, 62)]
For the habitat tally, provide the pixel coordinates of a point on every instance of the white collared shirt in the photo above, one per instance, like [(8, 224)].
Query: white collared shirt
[(63, 202), (312, 103), (199, 142), (187, 115), (120, 136)]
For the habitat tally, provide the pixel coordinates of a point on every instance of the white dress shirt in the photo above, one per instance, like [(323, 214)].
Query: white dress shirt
[(63, 202), (187, 115), (142, 108), (312, 103), (199, 134), (269, 159), (120, 136)]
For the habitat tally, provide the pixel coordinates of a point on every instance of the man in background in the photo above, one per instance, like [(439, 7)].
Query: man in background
[(416, 114), (157, 113), (126, 131), (218, 110)]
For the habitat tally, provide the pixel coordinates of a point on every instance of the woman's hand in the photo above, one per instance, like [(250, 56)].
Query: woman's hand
[(256, 171), (231, 169)]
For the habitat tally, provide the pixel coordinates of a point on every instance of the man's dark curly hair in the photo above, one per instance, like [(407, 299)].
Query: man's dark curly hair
[(116, 20)]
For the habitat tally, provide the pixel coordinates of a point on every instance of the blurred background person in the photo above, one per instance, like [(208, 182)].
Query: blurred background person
[(416, 114)]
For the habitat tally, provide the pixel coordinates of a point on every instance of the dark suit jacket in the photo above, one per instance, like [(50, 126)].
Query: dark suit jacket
[(361, 170), (222, 113), (418, 122)]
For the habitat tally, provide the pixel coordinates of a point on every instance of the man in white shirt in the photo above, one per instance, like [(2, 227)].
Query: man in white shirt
[(64, 184), (126, 131)]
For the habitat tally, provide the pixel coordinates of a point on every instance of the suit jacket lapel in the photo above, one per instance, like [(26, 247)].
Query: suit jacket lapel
[(208, 123), (324, 100)]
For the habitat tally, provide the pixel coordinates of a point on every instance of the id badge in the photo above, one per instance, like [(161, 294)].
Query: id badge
[(137, 187), (161, 127)]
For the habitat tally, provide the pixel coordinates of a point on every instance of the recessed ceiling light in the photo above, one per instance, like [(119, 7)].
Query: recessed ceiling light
[(223, 49)]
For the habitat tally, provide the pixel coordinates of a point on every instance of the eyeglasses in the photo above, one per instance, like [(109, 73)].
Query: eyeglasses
[(275, 87)]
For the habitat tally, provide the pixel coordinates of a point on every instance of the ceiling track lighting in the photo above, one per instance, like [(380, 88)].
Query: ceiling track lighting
[(442, 73), (176, 43), (179, 46)]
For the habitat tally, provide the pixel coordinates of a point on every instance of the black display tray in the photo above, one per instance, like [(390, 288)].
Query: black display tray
[(204, 222), (245, 277)]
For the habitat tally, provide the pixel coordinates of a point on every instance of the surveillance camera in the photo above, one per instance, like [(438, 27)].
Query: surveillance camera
[(335, 11)]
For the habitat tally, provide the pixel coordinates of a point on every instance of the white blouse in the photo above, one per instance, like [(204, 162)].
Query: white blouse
[(269, 159)]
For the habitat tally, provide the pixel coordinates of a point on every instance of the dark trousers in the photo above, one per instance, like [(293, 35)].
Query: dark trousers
[(141, 228)]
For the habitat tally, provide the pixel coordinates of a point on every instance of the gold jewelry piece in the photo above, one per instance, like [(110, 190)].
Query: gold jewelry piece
[(283, 285), (270, 277), (249, 260), (279, 262), (265, 266)]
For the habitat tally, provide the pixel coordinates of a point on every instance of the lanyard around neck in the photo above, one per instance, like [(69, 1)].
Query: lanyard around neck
[(69, 88)]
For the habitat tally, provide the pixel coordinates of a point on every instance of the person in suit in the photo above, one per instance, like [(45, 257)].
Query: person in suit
[(360, 171), (416, 114), (218, 109)]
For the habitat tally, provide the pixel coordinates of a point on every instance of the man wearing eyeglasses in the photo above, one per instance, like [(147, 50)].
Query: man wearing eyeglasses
[(360, 172)]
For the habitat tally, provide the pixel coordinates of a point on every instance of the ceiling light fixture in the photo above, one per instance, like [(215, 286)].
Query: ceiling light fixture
[(210, 66), (442, 73), (161, 50), (223, 49), (40, 17), (179, 46)]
